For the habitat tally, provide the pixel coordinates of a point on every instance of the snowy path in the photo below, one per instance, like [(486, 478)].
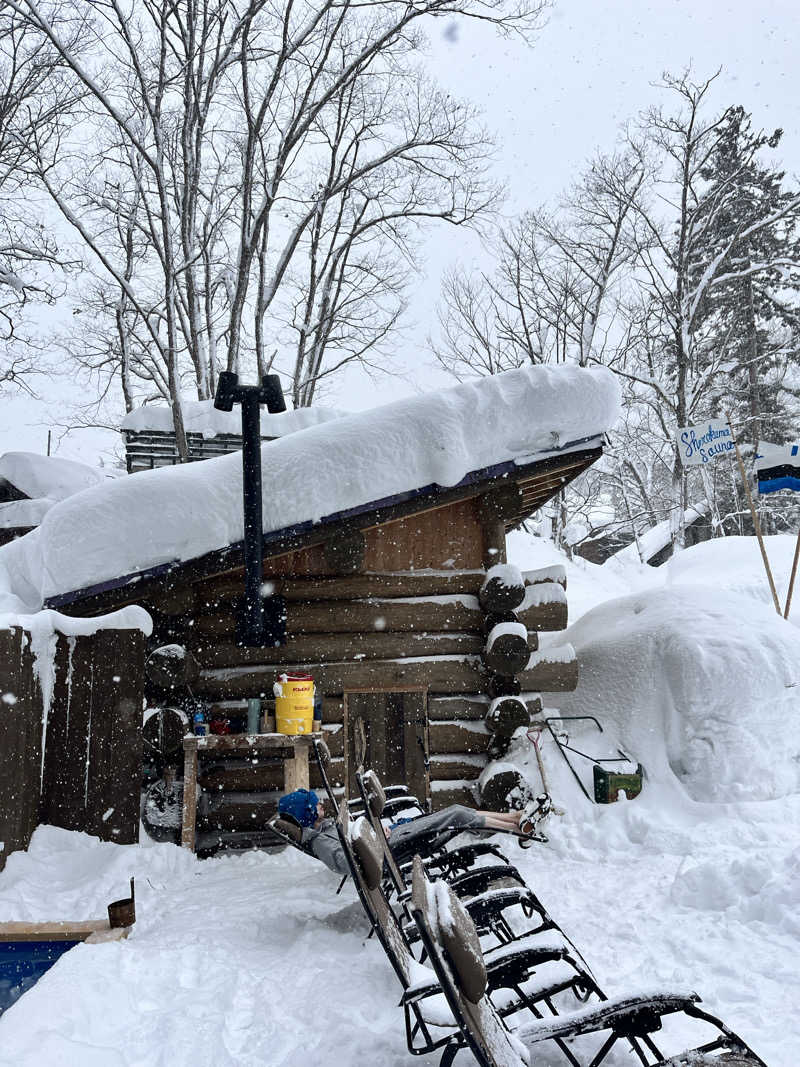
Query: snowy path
[(251, 960)]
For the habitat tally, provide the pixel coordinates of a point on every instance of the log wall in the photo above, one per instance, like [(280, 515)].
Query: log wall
[(402, 612), (429, 637)]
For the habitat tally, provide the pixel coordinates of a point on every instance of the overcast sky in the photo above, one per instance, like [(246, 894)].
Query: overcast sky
[(551, 105)]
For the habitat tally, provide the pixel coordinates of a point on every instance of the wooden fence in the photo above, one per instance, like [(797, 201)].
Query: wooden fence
[(78, 766)]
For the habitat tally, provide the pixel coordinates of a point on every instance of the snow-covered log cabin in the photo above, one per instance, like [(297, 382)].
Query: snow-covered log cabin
[(379, 530)]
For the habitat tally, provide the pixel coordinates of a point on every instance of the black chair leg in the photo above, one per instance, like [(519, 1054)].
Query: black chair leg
[(449, 1054)]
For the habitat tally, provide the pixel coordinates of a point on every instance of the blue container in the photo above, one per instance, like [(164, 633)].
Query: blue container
[(22, 964)]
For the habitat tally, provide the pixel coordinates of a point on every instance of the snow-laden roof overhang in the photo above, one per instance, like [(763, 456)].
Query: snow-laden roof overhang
[(573, 459), (360, 469), (47, 477)]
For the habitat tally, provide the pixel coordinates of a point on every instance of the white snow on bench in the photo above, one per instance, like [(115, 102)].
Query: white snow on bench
[(23, 513)]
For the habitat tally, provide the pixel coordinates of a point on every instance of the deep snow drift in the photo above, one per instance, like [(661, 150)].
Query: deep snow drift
[(252, 960)]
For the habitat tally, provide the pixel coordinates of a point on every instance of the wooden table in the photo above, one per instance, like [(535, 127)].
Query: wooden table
[(295, 768)]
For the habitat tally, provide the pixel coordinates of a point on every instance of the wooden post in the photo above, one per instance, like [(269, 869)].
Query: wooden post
[(754, 514), (791, 580), (189, 793), (295, 770)]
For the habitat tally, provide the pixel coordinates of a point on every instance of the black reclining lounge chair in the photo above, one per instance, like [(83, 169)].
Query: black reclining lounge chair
[(397, 797), (526, 974), (454, 951), (490, 890), (433, 847)]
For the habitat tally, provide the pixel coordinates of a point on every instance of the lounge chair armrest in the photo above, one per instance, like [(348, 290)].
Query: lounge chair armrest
[(463, 858), (477, 881), (631, 1016), (394, 805), (487, 905), (509, 965), (397, 791)]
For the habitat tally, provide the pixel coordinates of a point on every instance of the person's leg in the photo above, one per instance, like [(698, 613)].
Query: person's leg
[(502, 820), (456, 816)]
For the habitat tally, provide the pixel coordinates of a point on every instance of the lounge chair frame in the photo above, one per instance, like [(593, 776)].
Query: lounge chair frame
[(632, 1019)]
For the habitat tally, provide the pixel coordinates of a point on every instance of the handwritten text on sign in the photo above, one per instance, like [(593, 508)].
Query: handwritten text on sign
[(705, 443)]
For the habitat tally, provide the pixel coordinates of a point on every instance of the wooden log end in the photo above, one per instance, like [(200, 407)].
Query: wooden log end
[(171, 667), (507, 651), (506, 714), (502, 789), (503, 589)]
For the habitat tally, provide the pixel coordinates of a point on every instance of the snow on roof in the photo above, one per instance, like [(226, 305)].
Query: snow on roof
[(200, 416), (48, 476), (652, 541), (179, 513), (21, 514)]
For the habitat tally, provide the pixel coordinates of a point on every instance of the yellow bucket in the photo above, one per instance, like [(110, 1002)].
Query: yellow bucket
[(294, 704)]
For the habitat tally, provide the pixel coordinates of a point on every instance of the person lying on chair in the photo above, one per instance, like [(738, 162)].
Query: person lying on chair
[(321, 838)]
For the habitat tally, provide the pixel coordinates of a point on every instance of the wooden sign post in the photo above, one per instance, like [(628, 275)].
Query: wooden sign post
[(791, 580), (756, 523)]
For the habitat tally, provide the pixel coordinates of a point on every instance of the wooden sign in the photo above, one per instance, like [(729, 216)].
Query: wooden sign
[(703, 444)]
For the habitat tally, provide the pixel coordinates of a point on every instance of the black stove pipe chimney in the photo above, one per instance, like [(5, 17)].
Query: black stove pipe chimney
[(229, 392)]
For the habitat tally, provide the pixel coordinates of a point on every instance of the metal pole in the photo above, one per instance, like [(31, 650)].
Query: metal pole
[(253, 616), (229, 392)]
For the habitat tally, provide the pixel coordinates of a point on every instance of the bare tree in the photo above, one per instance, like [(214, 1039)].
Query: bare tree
[(35, 96), (215, 159), (551, 297)]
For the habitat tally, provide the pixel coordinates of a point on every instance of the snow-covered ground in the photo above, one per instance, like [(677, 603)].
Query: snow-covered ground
[(252, 959)]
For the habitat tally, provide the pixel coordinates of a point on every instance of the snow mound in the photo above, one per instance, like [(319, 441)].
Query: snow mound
[(735, 563), (701, 685), (182, 512)]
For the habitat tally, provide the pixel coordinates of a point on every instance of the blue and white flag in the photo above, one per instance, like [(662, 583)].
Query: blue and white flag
[(777, 467)]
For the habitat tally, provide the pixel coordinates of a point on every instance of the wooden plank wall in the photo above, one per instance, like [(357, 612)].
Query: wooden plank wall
[(20, 743), (91, 773), (93, 752)]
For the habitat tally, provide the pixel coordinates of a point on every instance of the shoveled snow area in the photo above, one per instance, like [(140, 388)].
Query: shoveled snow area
[(179, 513), (250, 960)]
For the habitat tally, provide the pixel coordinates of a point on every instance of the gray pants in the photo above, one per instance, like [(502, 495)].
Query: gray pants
[(456, 816)]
